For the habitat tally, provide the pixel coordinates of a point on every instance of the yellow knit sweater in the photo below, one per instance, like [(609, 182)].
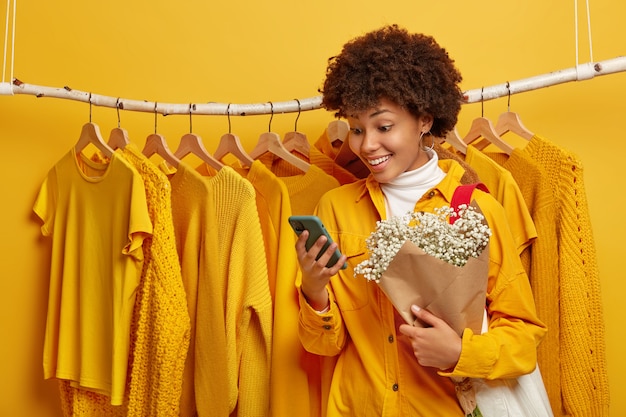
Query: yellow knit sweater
[(584, 382)]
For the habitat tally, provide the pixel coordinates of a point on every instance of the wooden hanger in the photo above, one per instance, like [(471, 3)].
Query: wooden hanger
[(230, 144), (90, 134), (270, 142), (118, 138), (156, 144), (510, 122), (191, 143), (482, 127), (454, 139), (297, 141), (337, 130)]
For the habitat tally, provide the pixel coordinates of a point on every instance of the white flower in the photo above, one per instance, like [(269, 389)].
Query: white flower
[(452, 243)]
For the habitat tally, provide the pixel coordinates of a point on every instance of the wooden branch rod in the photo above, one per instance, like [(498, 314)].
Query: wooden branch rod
[(579, 73)]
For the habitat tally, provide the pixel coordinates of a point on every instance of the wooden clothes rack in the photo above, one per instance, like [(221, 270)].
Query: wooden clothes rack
[(578, 73)]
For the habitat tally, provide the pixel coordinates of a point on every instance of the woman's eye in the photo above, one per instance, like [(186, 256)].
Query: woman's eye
[(356, 131), (385, 128)]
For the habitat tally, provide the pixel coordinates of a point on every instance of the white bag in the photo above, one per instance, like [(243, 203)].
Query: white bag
[(524, 396)]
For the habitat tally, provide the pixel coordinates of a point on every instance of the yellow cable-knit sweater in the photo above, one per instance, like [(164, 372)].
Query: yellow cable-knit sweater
[(584, 381)]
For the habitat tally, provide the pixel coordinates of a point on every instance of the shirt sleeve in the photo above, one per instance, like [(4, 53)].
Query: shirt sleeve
[(321, 333)]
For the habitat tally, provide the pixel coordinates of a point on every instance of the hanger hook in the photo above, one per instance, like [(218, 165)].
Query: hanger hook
[(117, 108), (90, 107), (482, 102), (228, 115), (508, 102), (269, 128), (190, 126), (155, 117), (295, 125)]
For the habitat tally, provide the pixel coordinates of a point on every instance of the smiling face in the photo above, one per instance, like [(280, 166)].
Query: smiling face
[(387, 139)]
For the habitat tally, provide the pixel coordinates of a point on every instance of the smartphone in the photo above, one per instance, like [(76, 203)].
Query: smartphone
[(316, 229)]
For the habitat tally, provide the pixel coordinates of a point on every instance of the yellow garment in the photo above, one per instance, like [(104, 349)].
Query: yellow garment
[(95, 269), (333, 148), (283, 168), (503, 187), (376, 372), (541, 263), (161, 321), (289, 385), (582, 353), (195, 243), (234, 306), (329, 166), (306, 189)]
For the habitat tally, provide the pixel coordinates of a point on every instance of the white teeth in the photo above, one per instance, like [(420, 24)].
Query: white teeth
[(377, 161)]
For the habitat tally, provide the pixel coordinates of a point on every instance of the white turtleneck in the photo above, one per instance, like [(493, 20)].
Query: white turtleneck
[(402, 193)]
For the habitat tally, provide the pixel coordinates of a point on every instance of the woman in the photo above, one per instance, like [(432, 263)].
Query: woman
[(398, 91)]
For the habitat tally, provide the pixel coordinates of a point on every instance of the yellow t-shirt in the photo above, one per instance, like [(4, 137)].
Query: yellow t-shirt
[(97, 217), (376, 371)]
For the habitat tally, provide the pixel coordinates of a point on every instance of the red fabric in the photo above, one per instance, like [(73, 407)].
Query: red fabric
[(463, 195)]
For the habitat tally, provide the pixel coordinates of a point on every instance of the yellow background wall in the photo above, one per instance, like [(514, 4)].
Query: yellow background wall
[(276, 50)]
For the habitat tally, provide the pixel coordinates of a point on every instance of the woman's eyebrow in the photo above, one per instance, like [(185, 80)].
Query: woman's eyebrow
[(378, 112)]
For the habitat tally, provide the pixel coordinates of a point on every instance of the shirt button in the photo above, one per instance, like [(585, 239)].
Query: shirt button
[(327, 318), (395, 387), (327, 327), (431, 194), (390, 338)]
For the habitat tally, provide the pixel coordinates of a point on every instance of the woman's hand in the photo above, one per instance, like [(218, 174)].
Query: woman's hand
[(438, 346), (315, 275)]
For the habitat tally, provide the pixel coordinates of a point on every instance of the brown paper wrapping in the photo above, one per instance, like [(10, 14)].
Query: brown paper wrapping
[(454, 294)]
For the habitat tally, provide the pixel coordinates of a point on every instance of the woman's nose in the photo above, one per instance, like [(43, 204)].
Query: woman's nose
[(369, 141)]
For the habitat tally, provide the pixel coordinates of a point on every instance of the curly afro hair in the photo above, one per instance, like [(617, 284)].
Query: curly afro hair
[(411, 70)]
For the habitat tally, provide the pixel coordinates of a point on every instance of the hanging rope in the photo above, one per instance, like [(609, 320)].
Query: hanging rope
[(5, 87), (583, 71)]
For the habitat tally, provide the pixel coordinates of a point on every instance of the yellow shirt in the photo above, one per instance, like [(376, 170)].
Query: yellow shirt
[(504, 188), (376, 372), (98, 218)]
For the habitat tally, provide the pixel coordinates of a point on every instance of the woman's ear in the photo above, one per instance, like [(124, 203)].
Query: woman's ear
[(427, 122)]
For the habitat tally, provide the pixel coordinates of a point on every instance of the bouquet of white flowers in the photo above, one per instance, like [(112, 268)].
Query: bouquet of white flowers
[(424, 259)]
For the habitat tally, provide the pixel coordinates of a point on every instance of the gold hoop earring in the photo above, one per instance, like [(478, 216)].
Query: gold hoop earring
[(421, 140)]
